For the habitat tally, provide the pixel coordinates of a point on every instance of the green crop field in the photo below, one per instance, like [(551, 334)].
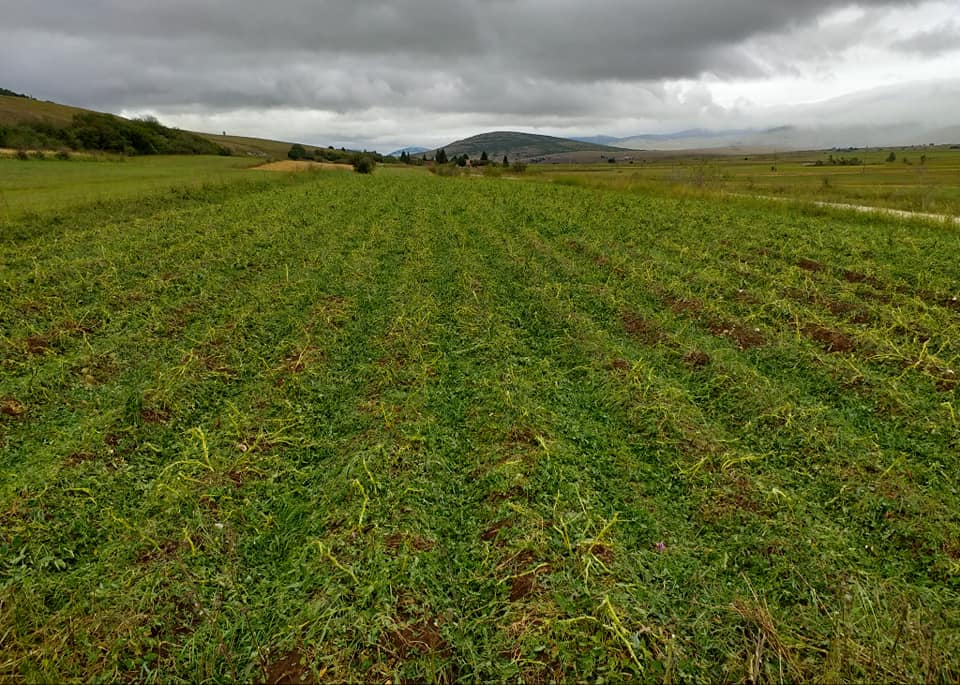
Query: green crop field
[(342, 427)]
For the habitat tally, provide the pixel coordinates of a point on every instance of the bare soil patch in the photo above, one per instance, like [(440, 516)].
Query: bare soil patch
[(154, 415), (421, 636), (744, 337), (164, 552), (684, 306), (602, 552), (78, 458), (289, 669), (831, 340), (810, 265), (522, 586), (696, 359), (395, 541), (856, 277), (641, 329), (493, 531), (11, 407)]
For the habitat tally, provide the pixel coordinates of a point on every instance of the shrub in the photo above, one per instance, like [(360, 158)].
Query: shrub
[(444, 169), (63, 154), (297, 152), (364, 164), (22, 155), (518, 167)]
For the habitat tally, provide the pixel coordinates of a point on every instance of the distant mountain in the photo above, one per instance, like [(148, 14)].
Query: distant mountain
[(596, 140), (409, 151), (519, 146)]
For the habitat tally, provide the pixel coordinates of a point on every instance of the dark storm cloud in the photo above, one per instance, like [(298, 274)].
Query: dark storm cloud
[(512, 56)]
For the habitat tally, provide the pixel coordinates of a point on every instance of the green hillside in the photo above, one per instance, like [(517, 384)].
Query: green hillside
[(26, 122), (518, 146)]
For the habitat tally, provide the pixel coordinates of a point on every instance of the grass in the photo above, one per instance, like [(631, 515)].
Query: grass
[(410, 427), (35, 186), (928, 187)]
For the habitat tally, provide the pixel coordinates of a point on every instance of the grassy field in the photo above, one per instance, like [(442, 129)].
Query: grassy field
[(408, 427), (930, 186), (36, 186)]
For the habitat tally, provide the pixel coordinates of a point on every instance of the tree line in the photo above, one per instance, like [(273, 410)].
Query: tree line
[(92, 131)]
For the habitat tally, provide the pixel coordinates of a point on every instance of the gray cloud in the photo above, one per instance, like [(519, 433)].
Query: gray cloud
[(535, 62), (934, 42)]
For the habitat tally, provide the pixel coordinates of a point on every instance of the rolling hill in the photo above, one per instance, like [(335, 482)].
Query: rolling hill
[(519, 146), (18, 110)]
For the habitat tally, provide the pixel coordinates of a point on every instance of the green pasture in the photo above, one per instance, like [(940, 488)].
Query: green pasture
[(401, 427), (928, 185), (36, 185)]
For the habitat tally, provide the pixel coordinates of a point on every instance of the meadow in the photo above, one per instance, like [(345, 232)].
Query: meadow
[(923, 179), (341, 427), (40, 186)]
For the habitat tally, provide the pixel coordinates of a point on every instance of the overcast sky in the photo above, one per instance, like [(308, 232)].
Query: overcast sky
[(386, 73)]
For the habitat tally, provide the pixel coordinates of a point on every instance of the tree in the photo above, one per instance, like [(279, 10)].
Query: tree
[(483, 156), (364, 163), (892, 157), (506, 161), (441, 156), (297, 152)]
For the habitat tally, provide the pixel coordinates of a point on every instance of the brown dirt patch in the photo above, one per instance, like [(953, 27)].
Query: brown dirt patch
[(493, 531), (522, 586), (154, 415), (96, 370), (602, 552), (847, 310), (684, 306), (831, 340), (164, 552), (418, 637), (522, 435), (857, 277), (735, 497), (620, 365), (641, 329), (810, 265), (289, 669), (301, 165), (11, 407), (950, 303), (37, 345), (744, 337), (299, 360), (947, 380), (696, 359), (78, 458), (395, 541)]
